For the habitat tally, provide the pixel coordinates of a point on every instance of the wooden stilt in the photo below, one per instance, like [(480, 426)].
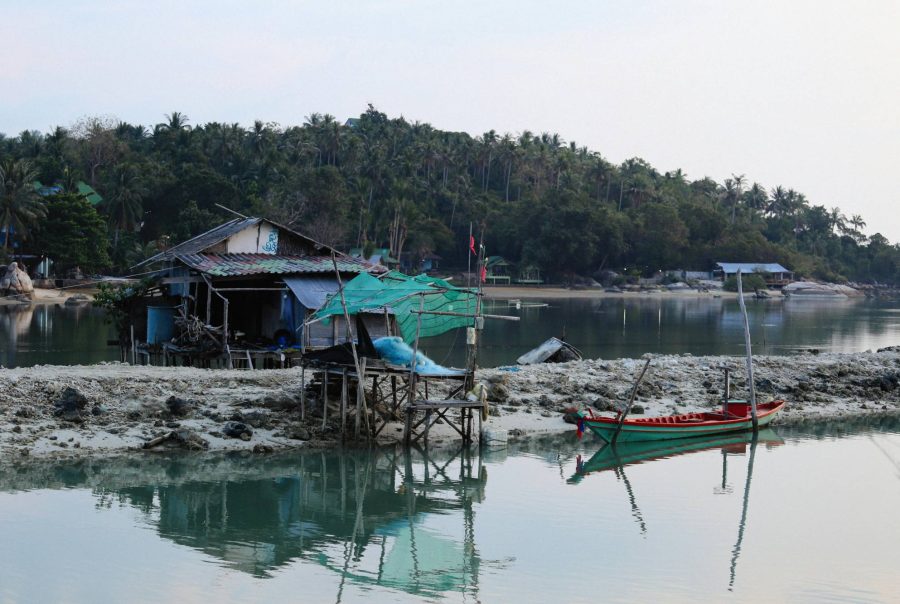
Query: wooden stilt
[(324, 398), (303, 392), (344, 396)]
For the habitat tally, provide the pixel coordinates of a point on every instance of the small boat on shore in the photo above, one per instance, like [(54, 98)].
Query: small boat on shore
[(735, 417)]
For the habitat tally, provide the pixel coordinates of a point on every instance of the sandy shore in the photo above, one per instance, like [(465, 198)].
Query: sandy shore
[(49, 296), (114, 408), (513, 292)]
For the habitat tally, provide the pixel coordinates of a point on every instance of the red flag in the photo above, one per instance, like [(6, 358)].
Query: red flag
[(483, 274), (472, 245)]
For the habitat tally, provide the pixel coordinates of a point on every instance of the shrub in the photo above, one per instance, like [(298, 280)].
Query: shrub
[(750, 282)]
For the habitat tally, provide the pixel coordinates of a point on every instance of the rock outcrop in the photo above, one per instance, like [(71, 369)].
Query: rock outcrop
[(16, 282), (801, 289)]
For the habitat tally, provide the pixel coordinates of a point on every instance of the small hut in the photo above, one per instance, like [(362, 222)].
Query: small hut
[(244, 290)]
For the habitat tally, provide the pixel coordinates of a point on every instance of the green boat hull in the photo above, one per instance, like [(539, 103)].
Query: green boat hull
[(635, 431)]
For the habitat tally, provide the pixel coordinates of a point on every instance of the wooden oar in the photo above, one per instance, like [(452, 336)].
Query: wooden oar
[(630, 402)]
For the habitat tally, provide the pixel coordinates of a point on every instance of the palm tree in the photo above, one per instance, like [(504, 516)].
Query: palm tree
[(20, 205), (734, 192), (125, 207)]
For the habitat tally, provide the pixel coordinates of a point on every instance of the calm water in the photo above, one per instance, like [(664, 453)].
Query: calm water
[(802, 516), (605, 328), (628, 327), (54, 335)]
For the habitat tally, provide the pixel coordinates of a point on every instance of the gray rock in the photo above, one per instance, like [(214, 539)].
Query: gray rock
[(234, 429), (297, 433), (258, 418), (498, 392), (179, 407), (69, 405)]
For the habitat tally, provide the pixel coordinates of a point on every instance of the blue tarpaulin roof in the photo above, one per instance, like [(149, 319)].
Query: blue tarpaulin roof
[(312, 291)]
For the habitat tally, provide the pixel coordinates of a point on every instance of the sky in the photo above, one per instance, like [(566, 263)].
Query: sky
[(803, 94)]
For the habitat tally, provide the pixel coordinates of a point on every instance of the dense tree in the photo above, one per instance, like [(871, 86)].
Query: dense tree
[(73, 234), (382, 182)]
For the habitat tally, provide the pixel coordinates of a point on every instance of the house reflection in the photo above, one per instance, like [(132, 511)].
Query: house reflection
[(362, 515)]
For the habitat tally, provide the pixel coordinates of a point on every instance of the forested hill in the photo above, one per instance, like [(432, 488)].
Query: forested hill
[(380, 182)]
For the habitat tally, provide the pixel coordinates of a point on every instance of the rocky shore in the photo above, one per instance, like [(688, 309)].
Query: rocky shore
[(114, 408)]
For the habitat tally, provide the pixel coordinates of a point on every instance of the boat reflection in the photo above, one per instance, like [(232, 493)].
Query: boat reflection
[(617, 457), (368, 516)]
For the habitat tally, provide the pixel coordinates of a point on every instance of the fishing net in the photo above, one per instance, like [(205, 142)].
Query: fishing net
[(402, 295)]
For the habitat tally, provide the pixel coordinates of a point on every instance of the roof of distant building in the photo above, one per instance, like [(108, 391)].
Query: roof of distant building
[(751, 267)]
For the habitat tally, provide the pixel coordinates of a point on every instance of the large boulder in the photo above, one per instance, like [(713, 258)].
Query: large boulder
[(16, 282), (811, 289)]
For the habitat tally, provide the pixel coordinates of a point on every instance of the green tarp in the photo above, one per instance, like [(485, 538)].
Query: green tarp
[(402, 295)]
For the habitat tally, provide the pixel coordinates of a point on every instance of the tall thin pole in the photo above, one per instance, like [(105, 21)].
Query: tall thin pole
[(360, 385), (469, 254), (749, 352)]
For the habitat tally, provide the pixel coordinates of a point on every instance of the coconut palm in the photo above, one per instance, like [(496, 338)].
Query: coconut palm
[(125, 206), (20, 206)]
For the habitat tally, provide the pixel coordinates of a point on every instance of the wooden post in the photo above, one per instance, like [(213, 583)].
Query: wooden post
[(133, 349), (727, 392), (360, 383), (303, 392), (749, 353), (361, 406), (344, 395), (411, 394), (324, 397), (630, 402)]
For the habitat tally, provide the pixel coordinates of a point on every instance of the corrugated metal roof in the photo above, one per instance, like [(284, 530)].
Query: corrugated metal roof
[(751, 267), (204, 240), (236, 265)]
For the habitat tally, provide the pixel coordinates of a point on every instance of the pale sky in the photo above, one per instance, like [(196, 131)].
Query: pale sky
[(799, 93)]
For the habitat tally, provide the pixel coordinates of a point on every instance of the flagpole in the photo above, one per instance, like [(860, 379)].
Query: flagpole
[(469, 254)]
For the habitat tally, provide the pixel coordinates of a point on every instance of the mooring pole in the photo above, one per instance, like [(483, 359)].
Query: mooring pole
[(749, 352), (727, 392), (630, 402)]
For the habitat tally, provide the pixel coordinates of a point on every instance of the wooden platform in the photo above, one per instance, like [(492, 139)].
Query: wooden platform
[(438, 409)]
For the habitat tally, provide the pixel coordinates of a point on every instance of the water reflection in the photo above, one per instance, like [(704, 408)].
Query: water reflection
[(616, 457), (357, 514), (54, 334), (671, 521)]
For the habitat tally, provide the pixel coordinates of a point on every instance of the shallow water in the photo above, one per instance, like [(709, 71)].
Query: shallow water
[(602, 328), (806, 514)]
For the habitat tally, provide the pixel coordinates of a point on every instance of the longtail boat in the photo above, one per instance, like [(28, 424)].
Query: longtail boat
[(735, 417)]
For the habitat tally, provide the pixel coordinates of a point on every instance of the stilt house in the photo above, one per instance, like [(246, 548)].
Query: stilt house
[(250, 284)]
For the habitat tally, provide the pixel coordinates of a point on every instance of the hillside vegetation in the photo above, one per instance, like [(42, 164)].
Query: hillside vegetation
[(381, 182)]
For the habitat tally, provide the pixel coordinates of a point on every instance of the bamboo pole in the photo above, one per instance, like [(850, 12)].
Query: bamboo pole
[(749, 352), (630, 402), (461, 314), (360, 383), (412, 372)]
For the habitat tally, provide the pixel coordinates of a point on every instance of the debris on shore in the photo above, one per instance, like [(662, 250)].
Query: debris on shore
[(112, 407)]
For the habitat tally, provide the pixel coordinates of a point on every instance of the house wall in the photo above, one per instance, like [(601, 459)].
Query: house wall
[(259, 239)]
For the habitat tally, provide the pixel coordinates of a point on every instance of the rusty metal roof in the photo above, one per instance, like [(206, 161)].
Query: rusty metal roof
[(236, 265)]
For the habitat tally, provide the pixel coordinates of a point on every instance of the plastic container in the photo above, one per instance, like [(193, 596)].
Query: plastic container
[(160, 324)]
